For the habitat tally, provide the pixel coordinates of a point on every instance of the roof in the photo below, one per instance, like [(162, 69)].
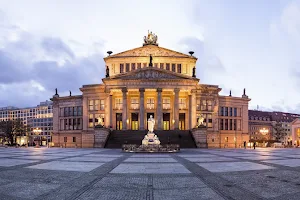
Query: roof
[(146, 50)]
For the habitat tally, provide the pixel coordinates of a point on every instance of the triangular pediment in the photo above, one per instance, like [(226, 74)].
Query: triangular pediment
[(151, 73), (154, 50), (296, 121)]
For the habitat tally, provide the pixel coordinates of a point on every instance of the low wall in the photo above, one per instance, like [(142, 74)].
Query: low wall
[(200, 137)]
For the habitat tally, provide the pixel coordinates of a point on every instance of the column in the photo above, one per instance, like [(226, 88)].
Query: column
[(124, 109), (190, 111), (85, 116), (194, 106), (110, 111), (159, 109), (176, 108), (142, 110)]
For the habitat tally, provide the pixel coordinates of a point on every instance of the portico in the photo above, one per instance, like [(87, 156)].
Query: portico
[(169, 107)]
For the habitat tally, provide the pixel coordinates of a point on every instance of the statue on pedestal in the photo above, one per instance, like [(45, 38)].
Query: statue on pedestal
[(151, 123), (200, 121), (151, 138), (150, 63)]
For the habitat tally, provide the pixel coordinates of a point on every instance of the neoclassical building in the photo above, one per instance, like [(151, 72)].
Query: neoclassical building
[(144, 81)]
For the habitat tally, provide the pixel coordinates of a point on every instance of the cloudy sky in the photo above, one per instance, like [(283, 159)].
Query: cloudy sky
[(48, 44)]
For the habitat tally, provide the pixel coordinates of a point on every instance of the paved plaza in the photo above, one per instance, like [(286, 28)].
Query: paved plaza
[(57, 173)]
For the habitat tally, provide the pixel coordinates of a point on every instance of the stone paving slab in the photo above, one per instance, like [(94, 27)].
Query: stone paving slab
[(114, 194), (210, 159), (39, 157), (29, 190), (150, 156), (233, 166), (151, 160), (285, 162), (171, 182), (150, 168), (128, 182), (103, 155), (267, 186), (8, 162), (197, 155), (262, 158), (89, 159), (67, 166), (186, 194)]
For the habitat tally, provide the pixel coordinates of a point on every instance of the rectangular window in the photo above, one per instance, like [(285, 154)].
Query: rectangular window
[(144, 64), (173, 67), (74, 139), (134, 103), (230, 124), (203, 104), (166, 103), (91, 124), (235, 112), (230, 111), (121, 68), (182, 103), (65, 139), (226, 124), (74, 111), (79, 124), (139, 65), (234, 124), (96, 107), (226, 111), (222, 111), (102, 104), (167, 66), (179, 68), (65, 124), (66, 112), (91, 104), (156, 65), (161, 65), (209, 120), (74, 124), (209, 105), (132, 66), (118, 103), (79, 110), (150, 103), (70, 124), (198, 105), (221, 124), (127, 67)]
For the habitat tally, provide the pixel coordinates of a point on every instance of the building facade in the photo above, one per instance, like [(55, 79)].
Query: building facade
[(38, 118), (261, 125), (150, 80)]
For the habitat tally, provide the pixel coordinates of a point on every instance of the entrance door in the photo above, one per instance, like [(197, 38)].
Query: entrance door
[(181, 121), (148, 116), (134, 121), (119, 121), (166, 121)]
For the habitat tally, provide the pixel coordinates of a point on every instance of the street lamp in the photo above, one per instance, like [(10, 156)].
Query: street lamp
[(37, 132)]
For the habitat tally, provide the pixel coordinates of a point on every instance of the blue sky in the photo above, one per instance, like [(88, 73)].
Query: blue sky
[(239, 44)]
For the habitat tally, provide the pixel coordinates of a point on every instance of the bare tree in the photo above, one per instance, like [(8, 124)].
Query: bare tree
[(279, 131), (13, 128)]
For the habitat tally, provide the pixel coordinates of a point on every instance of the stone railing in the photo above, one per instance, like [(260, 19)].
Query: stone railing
[(101, 136), (200, 136)]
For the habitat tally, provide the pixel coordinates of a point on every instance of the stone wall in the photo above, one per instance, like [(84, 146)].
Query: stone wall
[(101, 136), (200, 137)]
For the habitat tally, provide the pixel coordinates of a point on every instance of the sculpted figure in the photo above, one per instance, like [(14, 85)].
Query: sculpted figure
[(200, 120), (151, 123)]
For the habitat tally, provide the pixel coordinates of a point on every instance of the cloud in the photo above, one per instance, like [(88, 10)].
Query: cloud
[(33, 66)]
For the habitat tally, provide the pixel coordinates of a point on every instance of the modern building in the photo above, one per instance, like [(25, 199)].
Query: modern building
[(144, 81), (38, 118)]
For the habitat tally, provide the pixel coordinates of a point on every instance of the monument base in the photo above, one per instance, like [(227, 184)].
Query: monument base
[(152, 148)]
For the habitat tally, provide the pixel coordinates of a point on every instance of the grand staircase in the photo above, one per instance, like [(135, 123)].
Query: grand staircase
[(183, 138)]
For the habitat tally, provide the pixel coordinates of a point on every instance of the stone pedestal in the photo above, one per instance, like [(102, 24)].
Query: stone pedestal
[(101, 136), (200, 136)]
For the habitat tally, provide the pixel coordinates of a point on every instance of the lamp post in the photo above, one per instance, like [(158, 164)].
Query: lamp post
[(37, 132), (264, 131)]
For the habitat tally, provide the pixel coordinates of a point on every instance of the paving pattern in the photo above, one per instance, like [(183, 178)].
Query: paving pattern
[(57, 173)]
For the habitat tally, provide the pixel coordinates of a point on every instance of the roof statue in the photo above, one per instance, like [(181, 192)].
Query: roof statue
[(151, 38)]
